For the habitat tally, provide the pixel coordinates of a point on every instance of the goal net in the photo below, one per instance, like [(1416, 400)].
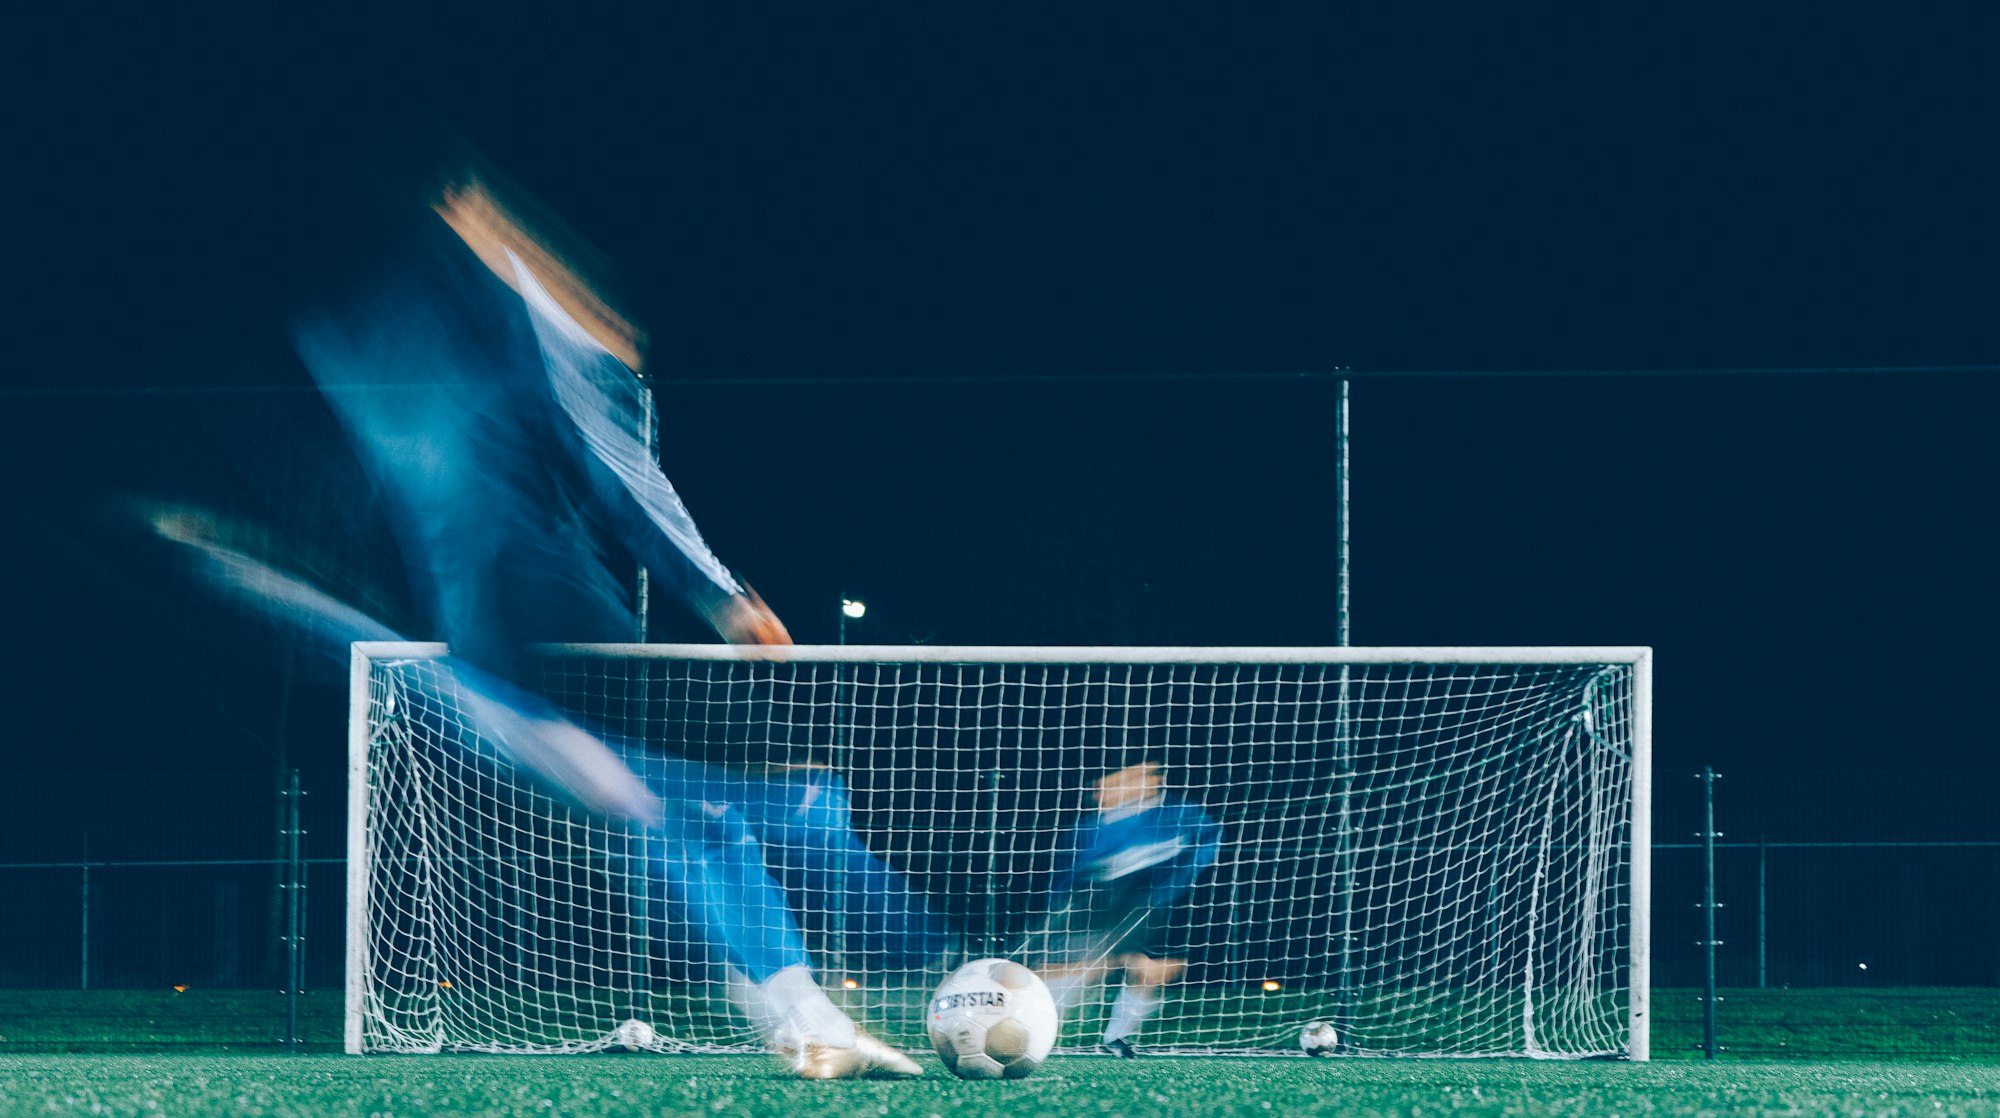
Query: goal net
[(1440, 851)]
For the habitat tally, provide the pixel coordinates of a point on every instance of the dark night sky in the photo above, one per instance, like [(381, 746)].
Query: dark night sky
[(1201, 189)]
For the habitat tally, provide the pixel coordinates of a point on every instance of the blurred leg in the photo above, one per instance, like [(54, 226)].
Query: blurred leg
[(1139, 997), (805, 821)]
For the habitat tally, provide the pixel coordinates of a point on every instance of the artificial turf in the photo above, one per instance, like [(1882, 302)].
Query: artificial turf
[(1818, 1024), (1074, 1087)]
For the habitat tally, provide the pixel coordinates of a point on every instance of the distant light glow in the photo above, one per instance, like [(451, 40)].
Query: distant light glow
[(1272, 987), (852, 608)]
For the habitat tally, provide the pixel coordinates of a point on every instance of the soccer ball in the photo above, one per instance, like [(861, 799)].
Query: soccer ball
[(993, 1019), (633, 1036), (1319, 1038)]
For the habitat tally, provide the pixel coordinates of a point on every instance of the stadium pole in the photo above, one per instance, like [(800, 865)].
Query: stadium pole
[(1340, 484), (1342, 731)]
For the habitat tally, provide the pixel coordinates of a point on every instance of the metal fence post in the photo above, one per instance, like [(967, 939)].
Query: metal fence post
[(1708, 942), (1762, 863), (83, 938), (294, 900)]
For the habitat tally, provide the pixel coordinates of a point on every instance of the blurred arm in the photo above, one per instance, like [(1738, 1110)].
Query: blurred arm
[(492, 231), (581, 337)]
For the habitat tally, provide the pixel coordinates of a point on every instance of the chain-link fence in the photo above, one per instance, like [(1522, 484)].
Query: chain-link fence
[(1856, 912), (1851, 879), (154, 882)]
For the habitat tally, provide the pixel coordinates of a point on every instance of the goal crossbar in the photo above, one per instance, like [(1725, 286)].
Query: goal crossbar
[(1058, 654)]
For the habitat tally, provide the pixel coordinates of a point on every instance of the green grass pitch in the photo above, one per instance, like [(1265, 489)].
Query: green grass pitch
[(1074, 1087)]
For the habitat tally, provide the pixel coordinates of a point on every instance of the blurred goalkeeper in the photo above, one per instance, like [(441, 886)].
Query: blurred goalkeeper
[(1136, 853), (491, 394)]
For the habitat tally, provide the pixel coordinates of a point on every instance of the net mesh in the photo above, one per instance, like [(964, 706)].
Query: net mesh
[(1435, 857)]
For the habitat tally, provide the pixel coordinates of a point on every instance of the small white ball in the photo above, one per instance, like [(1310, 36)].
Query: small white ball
[(634, 1036), (1319, 1038)]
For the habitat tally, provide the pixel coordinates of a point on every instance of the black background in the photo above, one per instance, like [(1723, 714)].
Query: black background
[(1069, 197)]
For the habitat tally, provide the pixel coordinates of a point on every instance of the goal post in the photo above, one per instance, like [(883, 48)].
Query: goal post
[(1443, 851)]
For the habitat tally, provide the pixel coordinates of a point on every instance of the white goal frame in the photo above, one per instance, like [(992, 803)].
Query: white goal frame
[(1638, 658)]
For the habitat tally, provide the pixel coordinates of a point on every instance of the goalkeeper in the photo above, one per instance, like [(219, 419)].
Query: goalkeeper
[(1135, 855), (490, 394)]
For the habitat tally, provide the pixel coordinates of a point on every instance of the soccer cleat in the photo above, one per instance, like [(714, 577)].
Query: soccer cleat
[(868, 1058), (1120, 1048)]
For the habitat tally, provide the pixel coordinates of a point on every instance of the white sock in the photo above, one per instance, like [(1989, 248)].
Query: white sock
[(789, 1010), (1134, 1005)]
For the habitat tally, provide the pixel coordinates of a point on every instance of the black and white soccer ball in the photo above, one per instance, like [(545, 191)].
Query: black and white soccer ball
[(1319, 1038), (993, 1019)]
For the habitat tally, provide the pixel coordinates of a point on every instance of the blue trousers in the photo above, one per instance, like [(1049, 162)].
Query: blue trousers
[(753, 860), (798, 828)]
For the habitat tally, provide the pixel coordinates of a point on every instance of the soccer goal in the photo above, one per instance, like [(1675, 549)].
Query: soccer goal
[(1442, 851)]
